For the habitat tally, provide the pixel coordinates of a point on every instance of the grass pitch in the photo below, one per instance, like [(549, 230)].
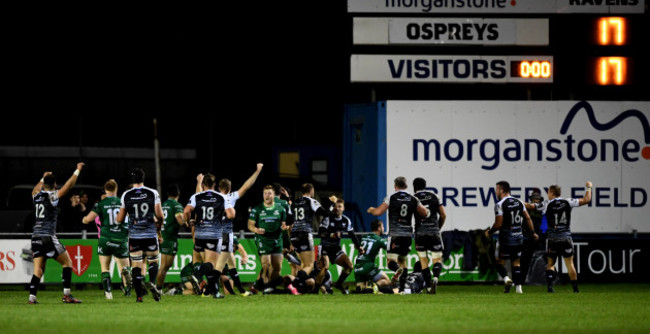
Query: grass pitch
[(455, 309)]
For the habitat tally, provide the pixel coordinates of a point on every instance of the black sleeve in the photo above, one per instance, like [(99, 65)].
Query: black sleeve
[(323, 233), (354, 238)]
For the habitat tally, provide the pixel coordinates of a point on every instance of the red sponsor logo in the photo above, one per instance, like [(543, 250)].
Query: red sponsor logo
[(81, 257)]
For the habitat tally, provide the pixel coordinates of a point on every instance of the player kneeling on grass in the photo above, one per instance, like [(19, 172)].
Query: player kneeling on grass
[(113, 239), (365, 268), (45, 244)]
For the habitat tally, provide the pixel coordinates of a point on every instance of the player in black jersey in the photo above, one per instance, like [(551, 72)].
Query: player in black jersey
[(45, 244), (143, 206), (304, 210), (401, 206), (559, 241), (510, 214), (331, 230), (427, 233)]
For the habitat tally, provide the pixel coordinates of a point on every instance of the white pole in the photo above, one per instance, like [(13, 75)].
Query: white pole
[(156, 153)]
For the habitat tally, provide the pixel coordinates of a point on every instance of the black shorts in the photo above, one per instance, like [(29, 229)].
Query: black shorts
[(563, 247), (227, 243), (302, 241), (146, 245), (511, 252), (429, 243), (201, 245), (333, 252), (49, 247), (399, 245)]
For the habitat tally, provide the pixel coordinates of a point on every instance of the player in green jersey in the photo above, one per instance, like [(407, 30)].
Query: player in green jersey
[(113, 238), (365, 268), (270, 218), (174, 219)]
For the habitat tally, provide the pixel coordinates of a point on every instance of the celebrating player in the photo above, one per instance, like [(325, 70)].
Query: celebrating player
[(559, 241), (210, 207), (45, 244)]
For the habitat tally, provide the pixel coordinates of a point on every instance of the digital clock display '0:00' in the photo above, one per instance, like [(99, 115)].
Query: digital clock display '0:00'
[(531, 69)]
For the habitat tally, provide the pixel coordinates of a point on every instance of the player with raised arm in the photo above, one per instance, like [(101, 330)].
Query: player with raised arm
[(427, 233), (228, 245), (365, 268), (267, 220), (113, 239), (510, 214), (559, 241), (331, 230), (45, 244), (174, 219), (210, 208), (400, 206), (142, 205)]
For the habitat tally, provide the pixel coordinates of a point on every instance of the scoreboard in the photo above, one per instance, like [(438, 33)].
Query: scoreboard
[(562, 43)]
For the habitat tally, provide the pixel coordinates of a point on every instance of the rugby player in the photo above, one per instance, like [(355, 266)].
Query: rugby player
[(210, 207), (174, 219), (331, 230), (365, 268), (142, 204), (400, 206), (45, 244), (113, 239), (427, 233), (510, 214), (267, 220), (559, 241)]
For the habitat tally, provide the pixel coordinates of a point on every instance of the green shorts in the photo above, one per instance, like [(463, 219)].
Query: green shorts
[(268, 246), (169, 247), (107, 247), (365, 271)]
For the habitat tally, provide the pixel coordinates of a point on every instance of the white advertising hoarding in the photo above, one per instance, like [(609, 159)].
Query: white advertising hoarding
[(16, 264), (462, 148), (497, 6)]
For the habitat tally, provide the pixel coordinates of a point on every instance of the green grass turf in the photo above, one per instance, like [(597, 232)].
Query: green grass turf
[(455, 309)]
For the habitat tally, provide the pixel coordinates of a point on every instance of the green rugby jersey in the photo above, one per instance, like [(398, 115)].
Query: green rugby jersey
[(107, 209), (371, 244), (270, 219), (169, 230)]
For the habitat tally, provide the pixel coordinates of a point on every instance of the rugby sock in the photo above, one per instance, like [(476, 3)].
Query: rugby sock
[(437, 267), (344, 274), (213, 281), (550, 277), (228, 286), (574, 284), (207, 270), (392, 265), (33, 285), (235, 277), (275, 282), (501, 269), (517, 277), (204, 270), (137, 281), (153, 271), (67, 280), (426, 274), (106, 281), (302, 275)]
